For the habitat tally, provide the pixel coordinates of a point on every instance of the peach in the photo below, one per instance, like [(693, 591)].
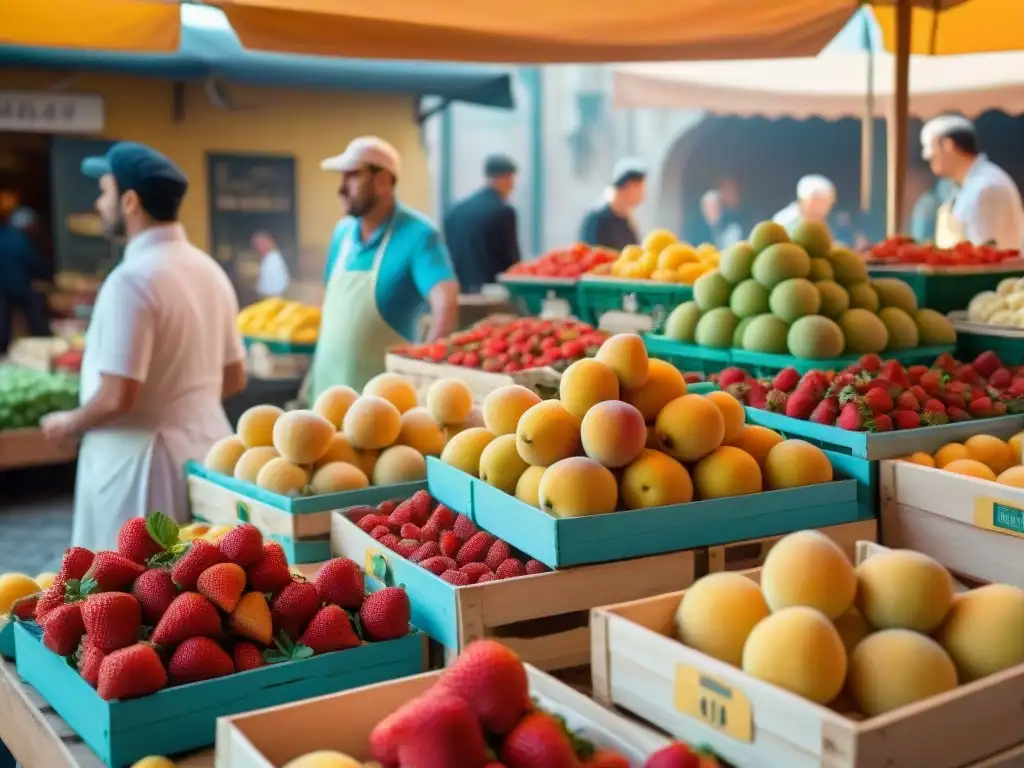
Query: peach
[(613, 433)]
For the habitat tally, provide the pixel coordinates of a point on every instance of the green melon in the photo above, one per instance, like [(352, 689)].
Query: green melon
[(736, 262), (814, 237), (893, 292), (821, 269), (715, 328), (681, 324), (934, 328), (815, 338), (901, 328), (779, 262), (711, 291), (767, 233), (766, 333), (749, 298), (834, 298), (864, 332), (863, 296), (849, 267), (794, 298)]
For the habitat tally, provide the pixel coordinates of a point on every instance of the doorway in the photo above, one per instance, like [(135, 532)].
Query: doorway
[(25, 181)]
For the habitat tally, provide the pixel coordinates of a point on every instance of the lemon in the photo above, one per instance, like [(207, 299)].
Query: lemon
[(14, 586), (45, 579)]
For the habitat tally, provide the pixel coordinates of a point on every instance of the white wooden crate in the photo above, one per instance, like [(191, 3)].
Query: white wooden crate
[(743, 555)]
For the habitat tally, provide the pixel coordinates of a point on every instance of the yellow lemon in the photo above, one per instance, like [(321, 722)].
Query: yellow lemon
[(675, 255), (658, 240), (14, 586), (688, 273), (45, 579), (648, 263), (631, 253), (663, 276)]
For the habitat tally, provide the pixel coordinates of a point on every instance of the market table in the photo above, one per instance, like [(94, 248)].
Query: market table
[(37, 737)]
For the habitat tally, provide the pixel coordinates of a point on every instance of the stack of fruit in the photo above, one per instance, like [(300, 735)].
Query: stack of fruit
[(872, 639), (567, 263), (26, 395), (511, 347), (877, 396), (160, 612), (904, 250), (985, 457), (645, 442), (280, 320), (479, 714), (663, 259), (447, 544), (1003, 306), (802, 296)]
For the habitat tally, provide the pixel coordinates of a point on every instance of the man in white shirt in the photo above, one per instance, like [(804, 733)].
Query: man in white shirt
[(274, 277), (161, 353), (988, 207), (815, 197)]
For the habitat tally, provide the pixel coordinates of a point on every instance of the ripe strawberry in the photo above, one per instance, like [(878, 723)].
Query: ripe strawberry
[(75, 564), (406, 547), (89, 662), (155, 591), (63, 628), (464, 528), (410, 531), (390, 541), (605, 758), (958, 414), (815, 383), (340, 582), (200, 555), (872, 363), (450, 544), (368, 522), (878, 422), (401, 515), (491, 678), (475, 550), (426, 550), (982, 408), (243, 545), (497, 554), (271, 573), (757, 395), (50, 599), (893, 370), (330, 630), (954, 400), (986, 363), (786, 379), (474, 571), (294, 606), (131, 672), (222, 584), (538, 740), (800, 405), (24, 608), (198, 658), (429, 732), (878, 400), (385, 508), (110, 572), (190, 615), (439, 564), (252, 619), (112, 620), (246, 656), (907, 402), (1000, 379), (905, 419), (510, 569), (442, 517), (535, 566), (385, 614), (380, 531), (851, 418), (730, 376), (968, 375), (826, 412), (430, 532), (135, 542), (915, 372), (919, 393), (933, 382), (456, 578), (420, 504), (674, 756), (484, 578)]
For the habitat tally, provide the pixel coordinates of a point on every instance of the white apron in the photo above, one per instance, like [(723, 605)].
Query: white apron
[(948, 231)]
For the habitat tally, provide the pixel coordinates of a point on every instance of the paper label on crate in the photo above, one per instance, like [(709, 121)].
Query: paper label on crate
[(999, 516), (242, 511), (714, 703), (376, 565)]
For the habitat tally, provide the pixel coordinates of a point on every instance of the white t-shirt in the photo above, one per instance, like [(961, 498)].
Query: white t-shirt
[(274, 277), (988, 206), (789, 216)]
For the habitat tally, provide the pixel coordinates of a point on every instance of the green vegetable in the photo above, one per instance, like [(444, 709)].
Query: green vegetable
[(27, 395)]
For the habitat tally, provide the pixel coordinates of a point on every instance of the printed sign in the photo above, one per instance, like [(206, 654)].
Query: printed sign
[(999, 516), (713, 703), (45, 112)]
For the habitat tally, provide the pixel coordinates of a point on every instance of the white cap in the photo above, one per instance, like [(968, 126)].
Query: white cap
[(941, 126), (628, 167), (364, 151), (814, 185)]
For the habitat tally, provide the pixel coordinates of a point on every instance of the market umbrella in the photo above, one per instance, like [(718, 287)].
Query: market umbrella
[(128, 26), (943, 28)]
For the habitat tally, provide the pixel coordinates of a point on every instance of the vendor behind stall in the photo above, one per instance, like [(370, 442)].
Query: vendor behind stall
[(20, 264), (386, 264), (815, 198), (611, 224)]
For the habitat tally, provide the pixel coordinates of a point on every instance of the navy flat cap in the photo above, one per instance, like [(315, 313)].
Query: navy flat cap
[(158, 181), (499, 165)]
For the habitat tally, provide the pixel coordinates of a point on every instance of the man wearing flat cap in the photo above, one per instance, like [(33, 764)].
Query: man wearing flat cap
[(386, 265), (611, 225), (161, 353), (481, 231), (815, 198)]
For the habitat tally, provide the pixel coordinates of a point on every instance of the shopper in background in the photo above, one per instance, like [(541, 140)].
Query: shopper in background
[(20, 264), (386, 264), (481, 231), (161, 353), (716, 229), (987, 208), (274, 277), (815, 197), (611, 224)]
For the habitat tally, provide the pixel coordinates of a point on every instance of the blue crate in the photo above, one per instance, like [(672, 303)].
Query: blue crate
[(7, 638), (764, 364), (687, 357)]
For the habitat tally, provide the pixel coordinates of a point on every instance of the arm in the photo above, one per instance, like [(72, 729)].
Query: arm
[(233, 378), (435, 280), (991, 219), (508, 232)]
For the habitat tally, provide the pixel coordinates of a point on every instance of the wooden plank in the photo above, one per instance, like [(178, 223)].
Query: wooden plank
[(21, 448), (742, 555)]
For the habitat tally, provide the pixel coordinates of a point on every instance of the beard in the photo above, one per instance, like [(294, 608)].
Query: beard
[(361, 206), (114, 228)]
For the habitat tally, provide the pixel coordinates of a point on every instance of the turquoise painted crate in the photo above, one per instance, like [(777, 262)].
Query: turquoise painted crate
[(764, 364), (598, 295), (7, 638), (302, 525), (184, 717), (701, 388), (529, 293), (560, 543), (687, 357)]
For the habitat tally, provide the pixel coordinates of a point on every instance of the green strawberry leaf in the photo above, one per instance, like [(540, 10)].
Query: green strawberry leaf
[(357, 624), (302, 652), (242, 511), (162, 529), (274, 657)]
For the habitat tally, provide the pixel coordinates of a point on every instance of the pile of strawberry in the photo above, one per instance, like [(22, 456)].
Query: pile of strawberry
[(447, 544), (904, 250), (525, 343), (566, 262), (158, 612), (479, 715), (877, 396)]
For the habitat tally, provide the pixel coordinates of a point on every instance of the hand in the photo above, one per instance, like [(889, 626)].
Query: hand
[(60, 426)]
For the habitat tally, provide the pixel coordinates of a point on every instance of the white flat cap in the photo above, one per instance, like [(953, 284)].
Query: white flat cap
[(941, 126), (627, 169), (364, 151), (814, 185)]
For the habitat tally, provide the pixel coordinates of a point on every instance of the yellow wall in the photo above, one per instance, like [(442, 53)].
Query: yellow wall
[(308, 125)]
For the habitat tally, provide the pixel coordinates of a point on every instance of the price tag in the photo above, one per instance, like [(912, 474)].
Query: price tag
[(630, 303), (713, 703), (998, 516)]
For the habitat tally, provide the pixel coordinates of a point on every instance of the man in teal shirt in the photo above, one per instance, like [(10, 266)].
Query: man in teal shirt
[(386, 265)]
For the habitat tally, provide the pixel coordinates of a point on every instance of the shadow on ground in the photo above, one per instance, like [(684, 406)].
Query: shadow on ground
[(35, 517)]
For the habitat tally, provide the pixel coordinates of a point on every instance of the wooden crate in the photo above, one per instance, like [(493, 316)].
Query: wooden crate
[(542, 617), (973, 527), (272, 737), (543, 381), (640, 666), (21, 448), (743, 555)]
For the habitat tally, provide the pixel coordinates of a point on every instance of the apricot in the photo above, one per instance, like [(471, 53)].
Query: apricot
[(394, 388), (366, 461), (501, 464), (626, 355), (251, 462), (664, 384), (990, 451), (256, 425), (921, 458), (796, 463), (475, 419), (339, 450), (948, 453), (399, 464), (690, 427), (724, 472), (984, 631), (808, 568), (302, 436), (577, 487), (547, 433), (971, 468), (528, 487), (718, 613), (902, 589), (613, 433), (337, 476), (281, 476), (655, 479), (586, 383), (449, 401), (464, 450), (1014, 476), (504, 405), (224, 455), (851, 628), (372, 423), (325, 758), (732, 413), (757, 441), (419, 430), (333, 403), (896, 667)]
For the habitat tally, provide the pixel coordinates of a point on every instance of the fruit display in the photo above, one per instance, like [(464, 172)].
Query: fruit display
[(510, 347), (985, 457), (663, 259), (877, 396), (26, 395), (872, 638), (1004, 306), (804, 297), (161, 612), (905, 250), (280, 320), (624, 434), (347, 441), (565, 263)]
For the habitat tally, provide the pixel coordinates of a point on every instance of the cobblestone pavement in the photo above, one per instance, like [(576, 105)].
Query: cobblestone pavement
[(35, 518)]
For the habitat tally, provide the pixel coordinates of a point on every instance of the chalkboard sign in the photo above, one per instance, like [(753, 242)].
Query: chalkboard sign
[(250, 194)]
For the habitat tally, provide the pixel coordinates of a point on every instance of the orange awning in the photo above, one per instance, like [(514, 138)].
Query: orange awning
[(540, 31), (959, 26), (129, 26)]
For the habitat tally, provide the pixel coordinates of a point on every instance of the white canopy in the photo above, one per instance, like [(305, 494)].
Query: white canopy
[(830, 85)]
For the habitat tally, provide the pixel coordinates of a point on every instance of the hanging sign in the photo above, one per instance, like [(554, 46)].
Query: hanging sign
[(45, 112)]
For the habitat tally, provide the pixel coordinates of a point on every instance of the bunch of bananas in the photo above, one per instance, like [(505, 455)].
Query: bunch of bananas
[(280, 319)]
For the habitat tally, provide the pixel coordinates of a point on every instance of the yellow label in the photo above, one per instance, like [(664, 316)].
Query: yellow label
[(714, 703), (370, 554), (999, 516)]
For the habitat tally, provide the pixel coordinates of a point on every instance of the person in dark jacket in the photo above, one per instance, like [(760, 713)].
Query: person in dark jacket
[(481, 230), (20, 264), (611, 225)]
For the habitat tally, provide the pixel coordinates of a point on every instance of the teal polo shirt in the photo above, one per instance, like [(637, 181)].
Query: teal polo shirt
[(415, 261)]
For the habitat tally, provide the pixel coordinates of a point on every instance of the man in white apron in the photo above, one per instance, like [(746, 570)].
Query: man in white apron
[(386, 264), (987, 208), (815, 197), (161, 352)]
